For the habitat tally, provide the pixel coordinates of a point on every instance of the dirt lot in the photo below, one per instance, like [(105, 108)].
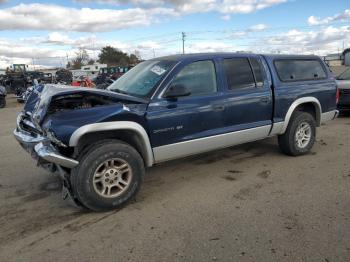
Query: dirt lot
[(247, 203)]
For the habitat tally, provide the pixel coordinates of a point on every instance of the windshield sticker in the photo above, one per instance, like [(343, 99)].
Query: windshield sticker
[(158, 70)]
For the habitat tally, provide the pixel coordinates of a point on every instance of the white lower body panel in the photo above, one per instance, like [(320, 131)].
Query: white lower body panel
[(201, 145)]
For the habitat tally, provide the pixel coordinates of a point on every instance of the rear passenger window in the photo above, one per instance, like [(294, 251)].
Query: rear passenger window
[(238, 73), (299, 70), (257, 72)]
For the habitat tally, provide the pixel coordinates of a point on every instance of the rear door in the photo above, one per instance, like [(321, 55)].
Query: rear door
[(249, 102)]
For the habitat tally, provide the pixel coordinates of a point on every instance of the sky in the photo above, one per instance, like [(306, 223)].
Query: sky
[(48, 33)]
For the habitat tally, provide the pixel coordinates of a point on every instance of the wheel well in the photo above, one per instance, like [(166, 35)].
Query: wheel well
[(128, 136), (312, 109)]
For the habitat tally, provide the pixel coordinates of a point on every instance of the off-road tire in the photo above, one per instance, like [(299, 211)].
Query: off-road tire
[(287, 142), (82, 175), (2, 101)]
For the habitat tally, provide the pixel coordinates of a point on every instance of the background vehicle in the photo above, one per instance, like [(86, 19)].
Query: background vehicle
[(64, 76), (343, 81), (102, 81), (3, 94), (45, 78), (115, 72), (84, 81), (101, 141), (17, 78), (24, 96)]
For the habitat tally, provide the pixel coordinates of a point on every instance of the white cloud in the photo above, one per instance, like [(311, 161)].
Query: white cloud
[(211, 46), (19, 52), (253, 29), (224, 6), (257, 28), (313, 20), (13, 49), (59, 18), (148, 45), (52, 50), (36, 16), (324, 41), (195, 6), (226, 17)]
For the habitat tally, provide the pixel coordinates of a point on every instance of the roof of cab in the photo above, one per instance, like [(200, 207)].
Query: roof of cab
[(182, 57)]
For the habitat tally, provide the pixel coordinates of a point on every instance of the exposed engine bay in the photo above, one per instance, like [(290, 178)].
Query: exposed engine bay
[(79, 101)]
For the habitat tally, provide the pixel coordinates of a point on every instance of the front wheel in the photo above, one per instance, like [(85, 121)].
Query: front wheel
[(108, 176), (300, 135)]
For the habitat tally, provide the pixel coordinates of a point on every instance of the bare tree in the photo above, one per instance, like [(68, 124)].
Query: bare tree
[(81, 59)]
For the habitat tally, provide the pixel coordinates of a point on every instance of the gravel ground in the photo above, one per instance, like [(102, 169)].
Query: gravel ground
[(247, 203)]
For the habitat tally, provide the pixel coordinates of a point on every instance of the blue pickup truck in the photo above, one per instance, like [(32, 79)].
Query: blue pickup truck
[(101, 141)]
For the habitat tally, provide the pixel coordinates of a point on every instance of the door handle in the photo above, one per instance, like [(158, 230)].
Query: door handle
[(219, 108)]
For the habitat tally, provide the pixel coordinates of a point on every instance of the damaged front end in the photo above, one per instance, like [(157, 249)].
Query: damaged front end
[(45, 152), (51, 115)]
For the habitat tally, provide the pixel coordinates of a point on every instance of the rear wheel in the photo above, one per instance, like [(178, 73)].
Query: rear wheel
[(2, 101), (300, 135), (108, 176)]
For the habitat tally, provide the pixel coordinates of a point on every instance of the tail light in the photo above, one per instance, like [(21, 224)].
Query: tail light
[(337, 96)]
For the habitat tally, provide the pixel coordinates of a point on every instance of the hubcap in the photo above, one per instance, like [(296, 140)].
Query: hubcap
[(112, 178), (303, 135)]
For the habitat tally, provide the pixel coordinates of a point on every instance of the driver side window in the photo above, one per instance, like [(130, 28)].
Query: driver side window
[(199, 77)]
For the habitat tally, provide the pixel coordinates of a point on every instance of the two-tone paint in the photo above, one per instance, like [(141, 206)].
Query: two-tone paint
[(189, 125)]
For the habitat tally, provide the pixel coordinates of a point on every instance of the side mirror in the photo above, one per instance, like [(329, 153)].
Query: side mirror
[(177, 90)]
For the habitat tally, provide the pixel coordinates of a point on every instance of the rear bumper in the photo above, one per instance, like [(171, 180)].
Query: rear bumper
[(40, 147)]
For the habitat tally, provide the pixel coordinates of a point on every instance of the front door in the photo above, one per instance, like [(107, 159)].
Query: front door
[(173, 123)]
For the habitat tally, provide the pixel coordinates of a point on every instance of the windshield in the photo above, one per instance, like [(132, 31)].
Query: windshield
[(142, 79), (345, 75)]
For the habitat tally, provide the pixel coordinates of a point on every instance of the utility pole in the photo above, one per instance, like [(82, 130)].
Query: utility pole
[(183, 42), (67, 58)]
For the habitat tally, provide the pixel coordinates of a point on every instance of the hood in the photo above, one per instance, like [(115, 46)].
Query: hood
[(49, 99)]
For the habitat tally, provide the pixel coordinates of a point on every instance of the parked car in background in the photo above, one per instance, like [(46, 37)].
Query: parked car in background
[(64, 77), (343, 81), (3, 94), (100, 142)]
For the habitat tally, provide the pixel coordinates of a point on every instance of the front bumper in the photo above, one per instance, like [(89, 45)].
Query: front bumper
[(48, 153), (41, 148)]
